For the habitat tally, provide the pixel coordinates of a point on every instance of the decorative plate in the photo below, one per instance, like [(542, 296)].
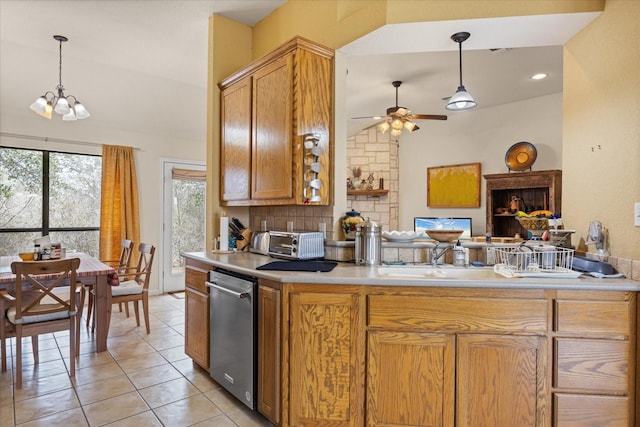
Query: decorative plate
[(521, 156)]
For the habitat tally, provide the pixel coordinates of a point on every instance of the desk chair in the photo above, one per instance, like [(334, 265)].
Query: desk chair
[(134, 284), (45, 299)]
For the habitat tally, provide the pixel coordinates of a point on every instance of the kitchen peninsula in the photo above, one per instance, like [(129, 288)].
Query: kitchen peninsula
[(355, 347)]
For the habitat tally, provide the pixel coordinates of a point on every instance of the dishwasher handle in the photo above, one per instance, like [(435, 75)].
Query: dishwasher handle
[(214, 285)]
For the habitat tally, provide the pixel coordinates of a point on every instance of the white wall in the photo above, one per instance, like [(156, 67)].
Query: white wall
[(480, 135)]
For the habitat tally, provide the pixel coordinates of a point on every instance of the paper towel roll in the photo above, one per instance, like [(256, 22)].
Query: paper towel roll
[(224, 231)]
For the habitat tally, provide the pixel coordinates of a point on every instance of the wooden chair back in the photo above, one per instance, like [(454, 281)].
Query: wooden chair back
[(122, 263), (38, 280)]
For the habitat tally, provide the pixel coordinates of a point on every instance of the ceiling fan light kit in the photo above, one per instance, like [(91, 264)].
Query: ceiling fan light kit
[(461, 100), (67, 106), (398, 117)]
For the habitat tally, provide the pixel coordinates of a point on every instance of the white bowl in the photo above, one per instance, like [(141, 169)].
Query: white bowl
[(401, 236)]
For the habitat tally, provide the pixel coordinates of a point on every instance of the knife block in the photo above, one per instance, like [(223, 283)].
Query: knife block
[(244, 243)]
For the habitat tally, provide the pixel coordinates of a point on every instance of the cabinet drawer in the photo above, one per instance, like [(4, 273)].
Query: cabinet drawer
[(573, 410), (596, 365), (593, 317), (196, 279), (442, 314)]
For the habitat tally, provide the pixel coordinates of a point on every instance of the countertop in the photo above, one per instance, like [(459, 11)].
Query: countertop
[(351, 274)]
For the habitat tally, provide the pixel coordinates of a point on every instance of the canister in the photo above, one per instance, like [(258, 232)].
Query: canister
[(368, 243)]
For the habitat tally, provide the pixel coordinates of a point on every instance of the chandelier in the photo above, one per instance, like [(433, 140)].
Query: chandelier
[(66, 105)]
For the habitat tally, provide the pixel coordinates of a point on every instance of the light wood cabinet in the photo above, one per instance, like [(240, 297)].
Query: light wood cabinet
[(266, 109), (593, 361), (537, 190), (410, 379), (196, 328), (326, 365), (235, 170), (269, 344), (501, 381)]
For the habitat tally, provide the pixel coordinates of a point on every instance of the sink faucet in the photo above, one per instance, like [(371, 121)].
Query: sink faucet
[(435, 256)]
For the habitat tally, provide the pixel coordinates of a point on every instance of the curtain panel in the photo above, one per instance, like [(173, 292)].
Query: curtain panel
[(119, 208)]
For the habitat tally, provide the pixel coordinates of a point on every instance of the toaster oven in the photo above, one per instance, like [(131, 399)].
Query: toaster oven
[(296, 245)]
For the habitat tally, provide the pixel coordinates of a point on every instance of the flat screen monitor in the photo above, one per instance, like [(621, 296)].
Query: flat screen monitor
[(420, 224)]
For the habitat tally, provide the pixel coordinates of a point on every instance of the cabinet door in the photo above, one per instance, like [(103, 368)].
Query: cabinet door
[(196, 328), (272, 131), (269, 342), (501, 381), (235, 137), (410, 379), (325, 368)]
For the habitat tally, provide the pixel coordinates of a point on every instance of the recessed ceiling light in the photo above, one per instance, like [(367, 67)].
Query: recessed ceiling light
[(538, 76)]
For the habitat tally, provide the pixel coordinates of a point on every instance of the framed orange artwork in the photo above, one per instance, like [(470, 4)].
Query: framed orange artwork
[(454, 186)]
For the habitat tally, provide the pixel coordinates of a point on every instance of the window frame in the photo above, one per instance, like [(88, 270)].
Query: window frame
[(46, 229)]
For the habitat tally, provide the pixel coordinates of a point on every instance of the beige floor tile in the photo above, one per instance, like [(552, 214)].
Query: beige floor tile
[(168, 392), (144, 361), (131, 350), (178, 328), (6, 378), (115, 409), (218, 421), (162, 343), (243, 417), (154, 375), (105, 389), (223, 399), (42, 386), (202, 380), (94, 359), (6, 411), (186, 412), (45, 355), (43, 370), (145, 419), (92, 374), (175, 354), (69, 418), (34, 408)]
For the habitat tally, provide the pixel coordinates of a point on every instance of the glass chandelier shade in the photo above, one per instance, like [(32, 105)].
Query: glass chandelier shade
[(66, 105), (461, 100)]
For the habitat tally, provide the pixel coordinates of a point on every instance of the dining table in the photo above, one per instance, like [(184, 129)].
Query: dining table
[(91, 271)]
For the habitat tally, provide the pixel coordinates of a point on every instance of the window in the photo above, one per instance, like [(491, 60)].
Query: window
[(49, 193)]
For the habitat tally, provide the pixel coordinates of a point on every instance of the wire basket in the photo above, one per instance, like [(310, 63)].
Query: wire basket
[(533, 259)]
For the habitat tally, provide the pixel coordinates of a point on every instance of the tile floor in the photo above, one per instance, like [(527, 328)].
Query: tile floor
[(142, 380)]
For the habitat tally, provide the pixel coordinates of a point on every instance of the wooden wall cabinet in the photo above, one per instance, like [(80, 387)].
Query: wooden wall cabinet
[(538, 190), (266, 109), (196, 328)]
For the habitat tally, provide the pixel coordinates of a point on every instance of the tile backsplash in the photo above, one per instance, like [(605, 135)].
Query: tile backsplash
[(304, 218)]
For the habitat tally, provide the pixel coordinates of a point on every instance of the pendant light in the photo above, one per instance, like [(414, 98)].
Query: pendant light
[(461, 100), (67, 106)]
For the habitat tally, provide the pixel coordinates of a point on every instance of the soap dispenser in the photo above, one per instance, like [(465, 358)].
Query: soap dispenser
[(458, 254)]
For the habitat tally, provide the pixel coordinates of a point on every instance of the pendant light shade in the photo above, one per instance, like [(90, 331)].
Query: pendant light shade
[(461, 100), (66, 105)]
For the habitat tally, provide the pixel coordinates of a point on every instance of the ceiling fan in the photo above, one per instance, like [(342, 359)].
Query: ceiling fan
[(401, 117)]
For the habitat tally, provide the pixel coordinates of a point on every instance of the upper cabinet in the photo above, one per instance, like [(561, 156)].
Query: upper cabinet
[(276, 128), (529, 191)]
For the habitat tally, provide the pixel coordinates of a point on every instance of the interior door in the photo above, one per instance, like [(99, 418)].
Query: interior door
[(183, 218)]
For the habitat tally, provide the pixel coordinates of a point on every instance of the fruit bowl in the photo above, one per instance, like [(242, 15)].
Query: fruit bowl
[(442, 235), (535, 226)]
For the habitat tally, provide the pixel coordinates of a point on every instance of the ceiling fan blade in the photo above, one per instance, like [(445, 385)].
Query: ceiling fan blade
[(368, 117), (429, 116)]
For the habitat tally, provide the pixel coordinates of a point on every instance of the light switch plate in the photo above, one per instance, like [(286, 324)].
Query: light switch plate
[(636, 214)]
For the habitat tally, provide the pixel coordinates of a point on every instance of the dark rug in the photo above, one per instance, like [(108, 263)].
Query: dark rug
[(322, 266)]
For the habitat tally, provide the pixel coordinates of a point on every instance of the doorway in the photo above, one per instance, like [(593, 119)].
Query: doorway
[(183, 218)]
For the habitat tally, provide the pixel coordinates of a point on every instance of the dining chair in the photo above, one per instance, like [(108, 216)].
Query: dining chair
[(46, 299), (134, 284), (120, 265)]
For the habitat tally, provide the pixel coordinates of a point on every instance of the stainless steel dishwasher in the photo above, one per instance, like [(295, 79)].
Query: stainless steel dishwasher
[(233, 334)]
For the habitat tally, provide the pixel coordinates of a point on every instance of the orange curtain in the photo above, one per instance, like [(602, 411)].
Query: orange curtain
[(119, 210)]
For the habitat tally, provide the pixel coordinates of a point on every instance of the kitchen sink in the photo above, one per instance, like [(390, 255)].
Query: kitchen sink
[(445, 271)]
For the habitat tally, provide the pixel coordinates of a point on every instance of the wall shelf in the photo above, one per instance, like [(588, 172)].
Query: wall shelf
[(370, 193)]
